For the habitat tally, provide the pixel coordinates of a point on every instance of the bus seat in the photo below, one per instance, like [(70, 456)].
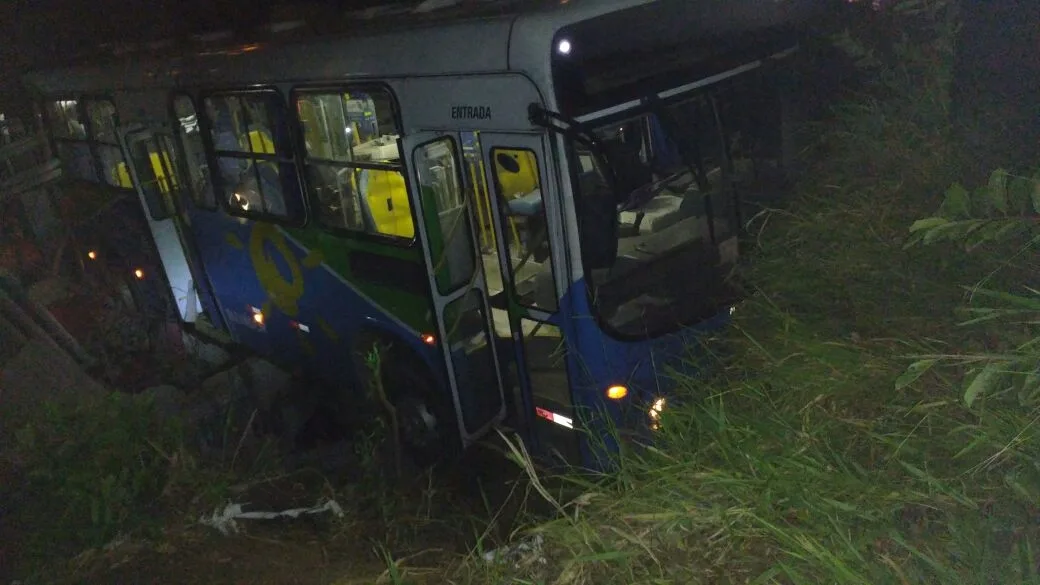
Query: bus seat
[(122, 176), (522, 179), (260, 142), (527, 205), (387, 199)]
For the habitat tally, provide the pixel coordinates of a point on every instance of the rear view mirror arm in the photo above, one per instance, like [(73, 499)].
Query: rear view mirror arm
[(560, 124)]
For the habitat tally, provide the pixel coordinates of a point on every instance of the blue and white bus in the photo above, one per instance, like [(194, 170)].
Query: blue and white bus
[(533, 205)]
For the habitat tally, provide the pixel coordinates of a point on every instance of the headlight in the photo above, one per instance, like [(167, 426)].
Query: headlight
[(655, 413)]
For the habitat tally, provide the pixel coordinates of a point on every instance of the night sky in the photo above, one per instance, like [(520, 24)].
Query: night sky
[(40, 33), (999, 45)]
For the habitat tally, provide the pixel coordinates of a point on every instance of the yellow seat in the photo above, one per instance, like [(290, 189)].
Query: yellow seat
[(519, 183), (260, 142), (122, 176), (513, 184), (387, 199)]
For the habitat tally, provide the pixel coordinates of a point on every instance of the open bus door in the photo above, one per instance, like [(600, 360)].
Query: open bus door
[(153, 166), (525, 302), (458, 286)]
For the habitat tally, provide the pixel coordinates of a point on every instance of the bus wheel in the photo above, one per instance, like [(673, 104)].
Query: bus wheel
[(425, 424)]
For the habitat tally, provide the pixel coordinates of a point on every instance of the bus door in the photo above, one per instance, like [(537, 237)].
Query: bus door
[(153, 167), (458, 287), (524, 300)]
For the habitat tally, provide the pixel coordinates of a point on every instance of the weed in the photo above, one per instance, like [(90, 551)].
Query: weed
[(99, 468), (811, 454)]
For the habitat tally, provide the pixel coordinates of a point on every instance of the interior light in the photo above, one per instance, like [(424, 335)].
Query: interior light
[(617, 392), (92, 255), (429, 339), (258, 318), (564, 48), (139, 273)]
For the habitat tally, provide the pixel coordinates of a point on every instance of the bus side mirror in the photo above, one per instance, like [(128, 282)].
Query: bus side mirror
[(598, 222)]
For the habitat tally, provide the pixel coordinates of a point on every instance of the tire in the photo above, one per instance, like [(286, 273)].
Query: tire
[(426, 423), (427, 429)]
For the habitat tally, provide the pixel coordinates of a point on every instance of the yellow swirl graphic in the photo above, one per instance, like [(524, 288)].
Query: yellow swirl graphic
[(285, 294)]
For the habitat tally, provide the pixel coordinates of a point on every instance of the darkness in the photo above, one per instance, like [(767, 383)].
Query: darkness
[(1001, 34), (997, 68), (42, 33)]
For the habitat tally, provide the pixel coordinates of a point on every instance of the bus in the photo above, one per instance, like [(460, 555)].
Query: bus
[(531, 207)]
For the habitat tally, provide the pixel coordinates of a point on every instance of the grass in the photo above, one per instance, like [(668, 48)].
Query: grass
[(813, 455)]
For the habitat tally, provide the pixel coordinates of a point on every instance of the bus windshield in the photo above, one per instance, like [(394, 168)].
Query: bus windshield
[(658, 258)]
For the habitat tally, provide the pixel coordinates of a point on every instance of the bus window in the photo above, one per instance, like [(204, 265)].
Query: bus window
[(63, 116), (353, 166), (201, 187), (442, 193), (254, 163), (517, 183), (103, 122), (663, 262), (70, 139), (154, 165)]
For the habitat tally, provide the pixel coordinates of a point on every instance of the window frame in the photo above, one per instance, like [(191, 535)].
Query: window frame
[(573, 180), (81, 111), (467, 210), (168, 207), (304, 159), (543, 216), (293, 158), (182, 155), (94, 142)]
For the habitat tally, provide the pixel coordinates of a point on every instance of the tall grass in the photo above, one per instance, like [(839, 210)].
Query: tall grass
[(814, 455)]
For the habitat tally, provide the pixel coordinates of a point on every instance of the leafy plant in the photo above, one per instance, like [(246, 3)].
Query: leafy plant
[(1005, 209), (102, 468)]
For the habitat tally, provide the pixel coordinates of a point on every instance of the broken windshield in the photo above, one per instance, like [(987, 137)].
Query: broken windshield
[(659, 245)]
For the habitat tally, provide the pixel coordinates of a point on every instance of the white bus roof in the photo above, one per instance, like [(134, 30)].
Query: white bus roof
[(489, 36)]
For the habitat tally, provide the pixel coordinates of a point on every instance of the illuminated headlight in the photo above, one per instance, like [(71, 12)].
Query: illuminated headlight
[(242, 202), (564, 47), (655, 413)]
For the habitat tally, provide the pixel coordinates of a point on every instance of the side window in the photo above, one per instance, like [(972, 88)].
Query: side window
[(155, 162), (63, 119), (445, 213), (518, 186), (255, 173), (103, 123), (352, 164), (70, 139), (200, 184)]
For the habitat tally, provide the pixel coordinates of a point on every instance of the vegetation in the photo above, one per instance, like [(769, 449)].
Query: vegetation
[(874, 420)]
